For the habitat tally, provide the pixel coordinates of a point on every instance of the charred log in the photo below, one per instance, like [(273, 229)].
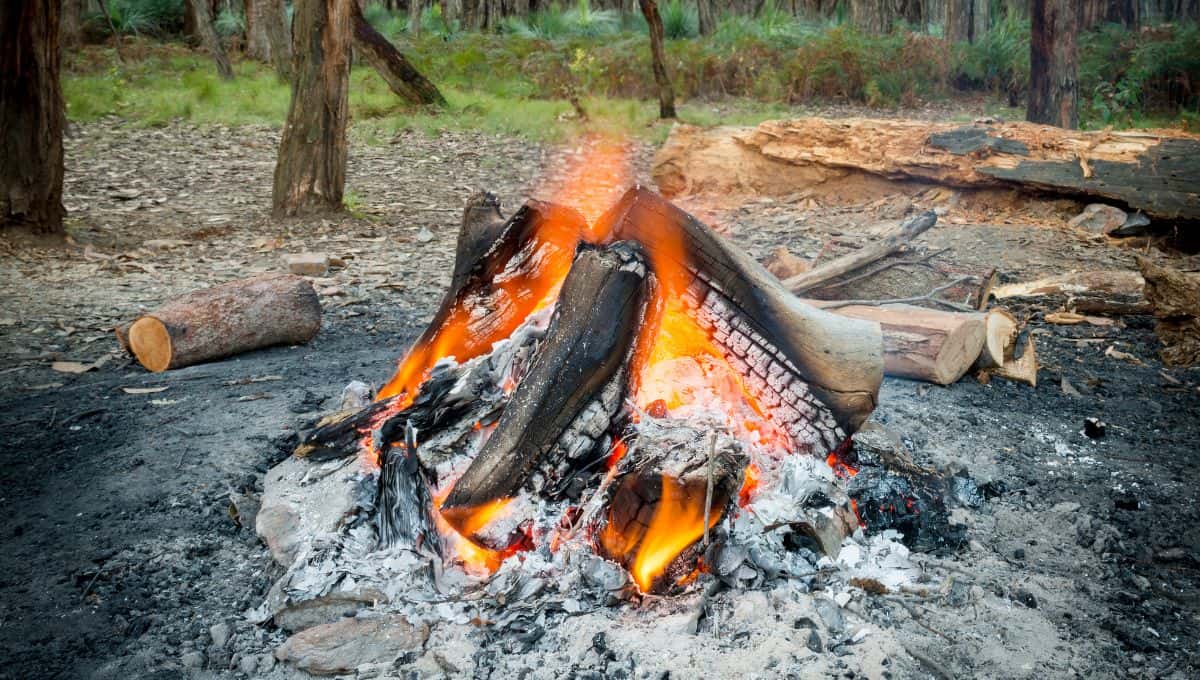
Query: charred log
[(573, 389), (405, 502)]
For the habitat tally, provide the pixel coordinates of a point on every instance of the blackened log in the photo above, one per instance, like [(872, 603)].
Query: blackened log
[(482, 224), (838, 361), (587, 345), (395, 69), (405, 517)]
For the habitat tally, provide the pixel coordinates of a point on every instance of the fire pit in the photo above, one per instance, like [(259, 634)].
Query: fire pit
[(598, 413)]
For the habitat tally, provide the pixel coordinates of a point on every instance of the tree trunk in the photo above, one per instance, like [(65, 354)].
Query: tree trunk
[(258, 46), (31, 116), (666, 95), (1053, 63), (310, 175), (279, 36), (202, 16), (958, 20), (400, 75), (414, 17), (707, 13), (981, 19), (71, 34)]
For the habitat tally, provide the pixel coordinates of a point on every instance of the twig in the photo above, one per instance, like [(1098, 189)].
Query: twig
[(916, 617), (82, 415), (708, 493), (934, 667), (931, 296), (922, 261), (113, 28), (895, 241), (53, 416), (88, 589)]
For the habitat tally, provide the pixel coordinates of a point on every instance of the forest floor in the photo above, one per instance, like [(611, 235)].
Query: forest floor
[(121, 559)]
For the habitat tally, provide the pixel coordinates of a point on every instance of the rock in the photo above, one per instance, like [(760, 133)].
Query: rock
[(341, 647), (220, 634), (307, 264), (424, 236), (814, 642), (783, 264), (243, 507), (292, 513), (248, 664), (326, 609), (192, 660), (1094, 428), (1064, 508), (830, 613), (1135, 225), (1098, 218)]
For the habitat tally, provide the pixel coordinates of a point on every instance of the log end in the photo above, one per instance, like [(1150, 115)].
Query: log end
[(959, 351), (150, 342)]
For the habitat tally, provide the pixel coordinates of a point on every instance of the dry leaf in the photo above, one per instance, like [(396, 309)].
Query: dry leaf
[(1115, 353), (143, 390), (71, 367)]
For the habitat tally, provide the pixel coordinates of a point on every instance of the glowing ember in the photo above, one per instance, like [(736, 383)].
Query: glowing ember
[(475, 558), (750, 481)]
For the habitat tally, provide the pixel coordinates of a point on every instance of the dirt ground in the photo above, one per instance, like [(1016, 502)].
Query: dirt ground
[(120, 556)]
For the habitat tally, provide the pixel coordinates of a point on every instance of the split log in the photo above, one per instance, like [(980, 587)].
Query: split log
[(1175, 298), (1157, 172), (395, 69), (923, 344), (1000, 338), (1104, 282), (897, 276), (239, 316), (565, 403), (683, 474)]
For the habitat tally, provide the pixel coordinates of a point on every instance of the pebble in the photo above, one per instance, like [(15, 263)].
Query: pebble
[(192, 660), (220, 634), (308, 264)]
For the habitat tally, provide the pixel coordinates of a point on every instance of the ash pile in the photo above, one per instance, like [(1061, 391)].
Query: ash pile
[(619, 449)]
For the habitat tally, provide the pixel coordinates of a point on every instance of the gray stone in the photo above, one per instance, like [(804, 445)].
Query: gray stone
[(192, 660), (325, 609), (220, 634), (248, 664), (1098, 218), (341, 647), (292, 512), (830, 613), (308, 264)]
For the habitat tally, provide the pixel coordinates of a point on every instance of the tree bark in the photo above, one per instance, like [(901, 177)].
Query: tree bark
[(666, 95), (31, 116), (958, 20), (396, 70), (310, 175), (414, 17), (258, 47), (71, 34), (228, 319), (202, 16), (707, 14), (279, 36), (1053, 63)]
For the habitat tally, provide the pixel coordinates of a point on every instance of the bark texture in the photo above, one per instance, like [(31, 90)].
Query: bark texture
[(257, 45), (666, 93), (31, 116), (1054, 63), (1175, 297), (71, 34), (202, 17), (279, 36), (310, 175), (228, 319), (400, 75), (706, 13), (1155, 172)]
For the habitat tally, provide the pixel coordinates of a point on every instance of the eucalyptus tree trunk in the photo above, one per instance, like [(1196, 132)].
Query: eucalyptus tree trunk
[(279, 36), (400, 75), (202, 18), (414, 17), (666, 94), (310, 174), (1053, 63), (707, 14), (31, 117), (71, 33)]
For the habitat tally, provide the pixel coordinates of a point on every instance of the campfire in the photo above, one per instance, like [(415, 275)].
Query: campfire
[(629, 386)]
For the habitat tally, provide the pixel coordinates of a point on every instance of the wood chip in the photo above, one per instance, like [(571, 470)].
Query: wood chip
[(143, 390), (71, 367), (1115, 353)]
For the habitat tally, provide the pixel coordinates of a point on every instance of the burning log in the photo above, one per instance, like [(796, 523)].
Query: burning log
[(405, 503), (667, 498), (923, 344), (572, 391), (235, 317)]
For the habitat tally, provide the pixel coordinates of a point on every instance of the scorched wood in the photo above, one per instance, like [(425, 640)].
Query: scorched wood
[(272, 309)]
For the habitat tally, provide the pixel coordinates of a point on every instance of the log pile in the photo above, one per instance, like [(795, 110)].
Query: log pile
[(1155, 172)]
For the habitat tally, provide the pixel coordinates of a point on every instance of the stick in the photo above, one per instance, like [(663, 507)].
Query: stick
[(931, 297), (922, 261), (113, 28), (712, 452), (839, 266), (82, 415), (88, 589)]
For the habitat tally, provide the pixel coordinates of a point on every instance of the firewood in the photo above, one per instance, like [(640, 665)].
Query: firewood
[(1155, 172), (1103, 282), (999, 338), (923, 344), (1023, 368), (1175, 297), (228, 319), (902, 276), (895, 241)]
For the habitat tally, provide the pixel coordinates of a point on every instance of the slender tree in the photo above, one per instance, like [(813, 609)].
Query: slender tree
[(279, 36), (706, 12), (666, 94), (400, 75), (414, 17), (31, 116), (71, 32), (1053, 63), (310, 174), (202, 19)]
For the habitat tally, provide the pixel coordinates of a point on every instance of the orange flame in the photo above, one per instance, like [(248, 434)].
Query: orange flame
[(475, 558), (592, 178), (678, 522), (750, 481)]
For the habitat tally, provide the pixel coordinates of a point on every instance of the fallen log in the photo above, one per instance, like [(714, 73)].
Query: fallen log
[(923, 344), (893, 242), (235, 317), (1103, 282), (1156, 172), (898, 277), (1175, 297), (399, 74)]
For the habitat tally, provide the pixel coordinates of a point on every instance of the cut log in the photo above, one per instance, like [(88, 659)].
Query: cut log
[(1157, 172), (841, 266), (923, 344), (395, 69), (1022, 368), (1000, 338), (235, 317), (897, 277), (1175, 298), (682, 474), (1103, 282)]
